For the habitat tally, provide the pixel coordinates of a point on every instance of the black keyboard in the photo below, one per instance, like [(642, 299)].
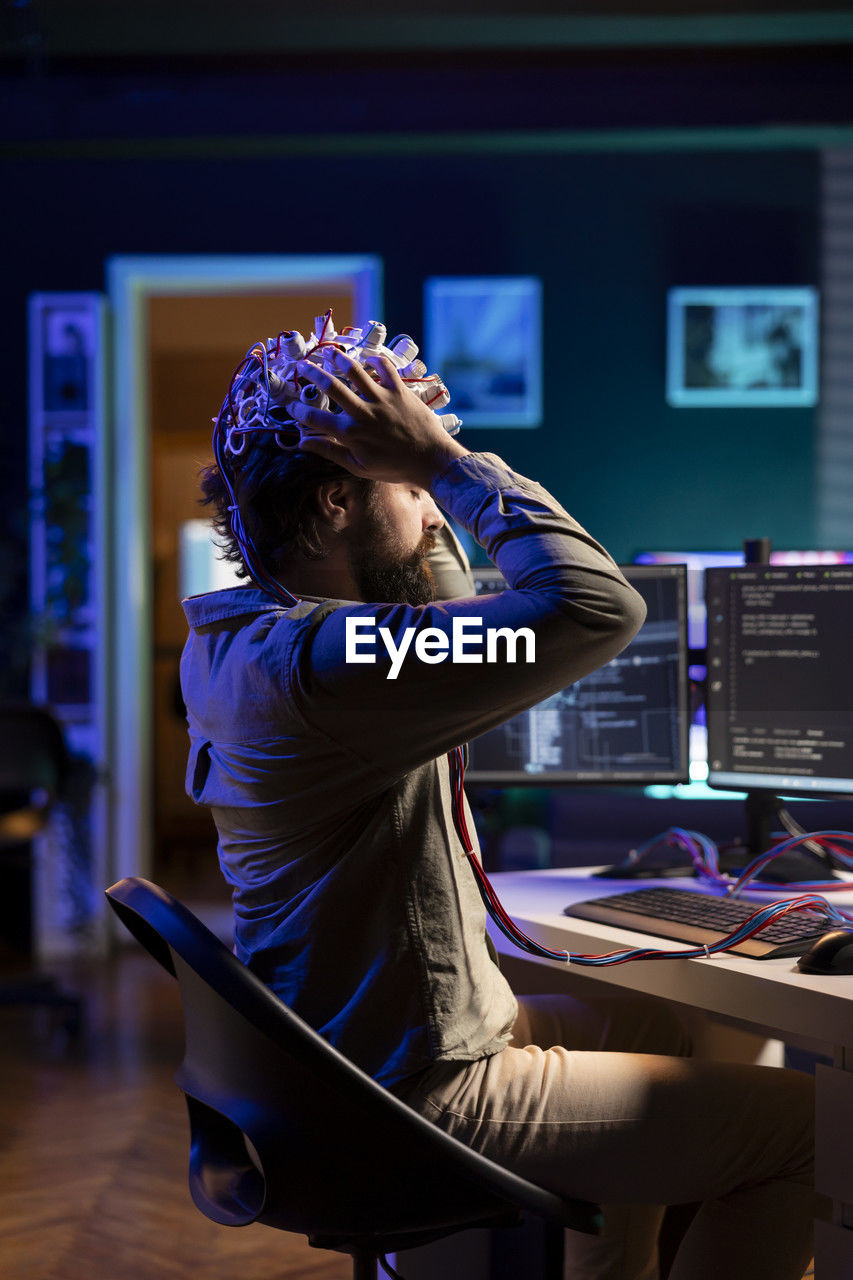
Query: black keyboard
[(698, 918)]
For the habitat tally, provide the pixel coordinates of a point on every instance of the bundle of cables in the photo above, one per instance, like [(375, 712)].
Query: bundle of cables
[(705, 858)]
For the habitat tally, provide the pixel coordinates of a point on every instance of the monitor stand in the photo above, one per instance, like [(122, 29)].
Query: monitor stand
[(763, 807), (762, 819)]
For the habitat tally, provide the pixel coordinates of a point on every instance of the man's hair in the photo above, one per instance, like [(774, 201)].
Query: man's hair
[(276, 491)]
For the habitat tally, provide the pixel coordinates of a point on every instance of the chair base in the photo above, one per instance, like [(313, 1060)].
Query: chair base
[(544, 1251)]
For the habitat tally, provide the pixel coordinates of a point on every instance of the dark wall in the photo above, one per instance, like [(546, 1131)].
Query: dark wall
[(608, 234)]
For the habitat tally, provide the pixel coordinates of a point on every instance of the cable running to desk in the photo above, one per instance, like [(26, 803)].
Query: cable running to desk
[(700, 848)]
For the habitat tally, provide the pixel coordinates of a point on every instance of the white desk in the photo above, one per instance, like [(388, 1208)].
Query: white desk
[(768, 997)]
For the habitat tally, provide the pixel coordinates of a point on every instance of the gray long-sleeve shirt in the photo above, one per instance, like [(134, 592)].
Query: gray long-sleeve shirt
[(329, 782)]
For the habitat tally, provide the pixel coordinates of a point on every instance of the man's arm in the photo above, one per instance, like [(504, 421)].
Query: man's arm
[(566, 599), (566, 596)]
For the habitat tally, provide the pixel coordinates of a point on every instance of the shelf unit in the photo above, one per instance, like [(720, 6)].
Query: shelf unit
[(68, 469)]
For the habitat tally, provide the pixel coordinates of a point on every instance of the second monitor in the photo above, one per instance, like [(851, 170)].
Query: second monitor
[(627, 722), (780, 679)]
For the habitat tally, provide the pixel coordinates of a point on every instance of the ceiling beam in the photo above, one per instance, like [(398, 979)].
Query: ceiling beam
[(85, 28)]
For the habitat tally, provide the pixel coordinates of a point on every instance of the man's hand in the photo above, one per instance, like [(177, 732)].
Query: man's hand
[(383, 432)]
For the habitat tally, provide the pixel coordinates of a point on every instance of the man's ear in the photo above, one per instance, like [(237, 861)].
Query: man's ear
[(336, 501)]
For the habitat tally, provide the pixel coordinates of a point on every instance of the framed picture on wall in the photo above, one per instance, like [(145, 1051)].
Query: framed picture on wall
[(483, 336), (742, 347)]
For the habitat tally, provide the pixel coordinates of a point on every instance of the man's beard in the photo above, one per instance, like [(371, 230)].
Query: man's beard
[(384, 575)]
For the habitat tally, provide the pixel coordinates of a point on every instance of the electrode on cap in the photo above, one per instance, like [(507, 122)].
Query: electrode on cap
[(314, 396), (431, 390), (324, 330), (268, 381), (287, 437), (293, 344), (403, 349), (373, 335), (417, 369), (331, 357), (234, 442), (434, 394)]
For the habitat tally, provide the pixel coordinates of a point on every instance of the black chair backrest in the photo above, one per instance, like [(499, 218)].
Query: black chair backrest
[(329, 1152)]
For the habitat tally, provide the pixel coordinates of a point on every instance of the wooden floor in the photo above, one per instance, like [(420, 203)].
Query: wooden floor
[(93, 1149)]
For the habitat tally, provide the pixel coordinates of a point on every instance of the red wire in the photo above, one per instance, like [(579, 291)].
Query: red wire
[(500, 914), (457, 781), (328, 321)]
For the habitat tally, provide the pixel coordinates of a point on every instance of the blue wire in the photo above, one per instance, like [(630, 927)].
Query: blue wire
[(248, 550)]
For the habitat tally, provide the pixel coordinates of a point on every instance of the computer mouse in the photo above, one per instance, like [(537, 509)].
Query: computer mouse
[(832, 953)]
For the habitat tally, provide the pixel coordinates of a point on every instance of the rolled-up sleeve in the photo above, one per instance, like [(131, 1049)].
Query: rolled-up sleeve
[(567, 603)]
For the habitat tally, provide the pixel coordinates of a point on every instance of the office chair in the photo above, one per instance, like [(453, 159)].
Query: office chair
[(286, 1131), (34, 769)]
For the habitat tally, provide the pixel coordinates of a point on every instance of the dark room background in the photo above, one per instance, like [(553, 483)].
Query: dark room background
[(655, 155), (610, 175)]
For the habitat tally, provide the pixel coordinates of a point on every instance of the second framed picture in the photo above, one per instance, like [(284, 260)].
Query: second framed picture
[(484, 338)]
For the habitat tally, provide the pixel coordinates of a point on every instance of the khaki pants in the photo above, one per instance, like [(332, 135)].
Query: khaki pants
[(583, 1101)]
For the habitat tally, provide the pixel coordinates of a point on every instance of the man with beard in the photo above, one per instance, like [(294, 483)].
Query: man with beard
[(343, 835)]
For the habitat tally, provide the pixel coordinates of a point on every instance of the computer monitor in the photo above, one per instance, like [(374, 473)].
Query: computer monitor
[(625, 723), (200, 564), (780, 679), (698, 561)]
